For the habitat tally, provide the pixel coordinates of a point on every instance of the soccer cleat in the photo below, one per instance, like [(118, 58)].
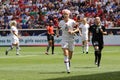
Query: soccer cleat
[(96, 63), (6, 53), (52, 53), (17, 54), (46, 53), (86, 52), (68, 72)]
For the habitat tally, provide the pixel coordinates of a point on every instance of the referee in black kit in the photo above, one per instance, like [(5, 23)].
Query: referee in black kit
[(97, 31)]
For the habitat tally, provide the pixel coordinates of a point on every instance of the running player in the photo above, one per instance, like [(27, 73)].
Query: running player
[(97, 31), (67, 27), (84, 30), (15, 37)]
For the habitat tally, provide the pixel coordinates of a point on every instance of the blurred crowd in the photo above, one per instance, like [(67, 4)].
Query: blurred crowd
[(34, 14)]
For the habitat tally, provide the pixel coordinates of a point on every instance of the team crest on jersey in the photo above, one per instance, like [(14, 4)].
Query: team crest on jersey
[(66, 28)]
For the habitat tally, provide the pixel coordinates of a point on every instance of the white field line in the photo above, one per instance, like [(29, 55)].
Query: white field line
[(30, 54), (39, 52)]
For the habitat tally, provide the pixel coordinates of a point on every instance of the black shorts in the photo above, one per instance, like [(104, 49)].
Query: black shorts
[(98, 43), (50, 37)]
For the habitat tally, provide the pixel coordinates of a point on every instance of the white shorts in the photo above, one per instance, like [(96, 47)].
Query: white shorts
[(68, 44), (84, 37), (15, 41)]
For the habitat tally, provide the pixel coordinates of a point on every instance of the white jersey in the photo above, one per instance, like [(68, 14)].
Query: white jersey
[(65, 27), (84, 28), (14, 29)]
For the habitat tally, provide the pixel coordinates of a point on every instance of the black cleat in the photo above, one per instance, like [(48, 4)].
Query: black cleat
[(98, 65), (52, 53), (86, 52), (46, 53), (6, 53), (68, 72)]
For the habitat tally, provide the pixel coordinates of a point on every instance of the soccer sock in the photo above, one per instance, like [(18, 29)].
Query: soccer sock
[(66, 61), (83, 48), (53, 48), (17, 49), (96, 56), (48, 47), (86, 47), (10, 48), (99, 58)]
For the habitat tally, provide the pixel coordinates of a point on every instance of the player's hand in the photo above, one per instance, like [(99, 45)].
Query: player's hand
[(101, 30), (19, 37), (70, 32), (80, 34)]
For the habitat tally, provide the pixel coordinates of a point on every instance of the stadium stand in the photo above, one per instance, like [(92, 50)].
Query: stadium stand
[(34, 14)]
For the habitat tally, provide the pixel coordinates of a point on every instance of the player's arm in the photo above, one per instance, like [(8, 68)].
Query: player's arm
[(15, 34), (103, 31), (57, 31), (75, 29), (89, 33)]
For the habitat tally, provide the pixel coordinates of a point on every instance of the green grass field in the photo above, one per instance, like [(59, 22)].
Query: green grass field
[(33, 64)]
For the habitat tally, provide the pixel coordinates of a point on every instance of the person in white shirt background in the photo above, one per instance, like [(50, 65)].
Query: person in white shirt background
[(84, 35), (15, 37)]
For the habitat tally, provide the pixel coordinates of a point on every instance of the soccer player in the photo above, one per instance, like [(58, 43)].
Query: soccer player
[(15, 37), (84, 30), (67, 27), (50, 37), (97, 31)]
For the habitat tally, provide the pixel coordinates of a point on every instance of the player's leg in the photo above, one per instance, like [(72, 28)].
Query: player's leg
[(86, 46), (96, 50), (66, 55), (49, 43), (17, 46), (83, 47), (99, 55), (96, 54), (11, 47), (52, 44), (71, 49), (66, 59), (8, 49)]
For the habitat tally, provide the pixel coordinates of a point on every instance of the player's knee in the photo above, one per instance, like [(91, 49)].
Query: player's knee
[(66, 59), (96, 48)]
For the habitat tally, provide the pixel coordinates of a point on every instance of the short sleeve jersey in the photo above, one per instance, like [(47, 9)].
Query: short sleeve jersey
[(14, 29), (65, 27), (96, 33), (84, 28)]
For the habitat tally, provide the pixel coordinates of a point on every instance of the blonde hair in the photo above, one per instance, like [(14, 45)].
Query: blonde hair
[(66, 11), (13, 23)]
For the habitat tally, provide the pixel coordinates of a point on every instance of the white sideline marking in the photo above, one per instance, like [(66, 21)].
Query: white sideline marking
[(30, 54)]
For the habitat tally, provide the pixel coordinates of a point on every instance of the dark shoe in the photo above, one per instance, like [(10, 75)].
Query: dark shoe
[(98, 65), (46, 53), (68, 72), (52, 53), (17, 54), (6, 53), (86, 52)]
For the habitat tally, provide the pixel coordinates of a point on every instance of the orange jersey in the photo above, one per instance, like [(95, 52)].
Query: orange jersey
[(50, 30)]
